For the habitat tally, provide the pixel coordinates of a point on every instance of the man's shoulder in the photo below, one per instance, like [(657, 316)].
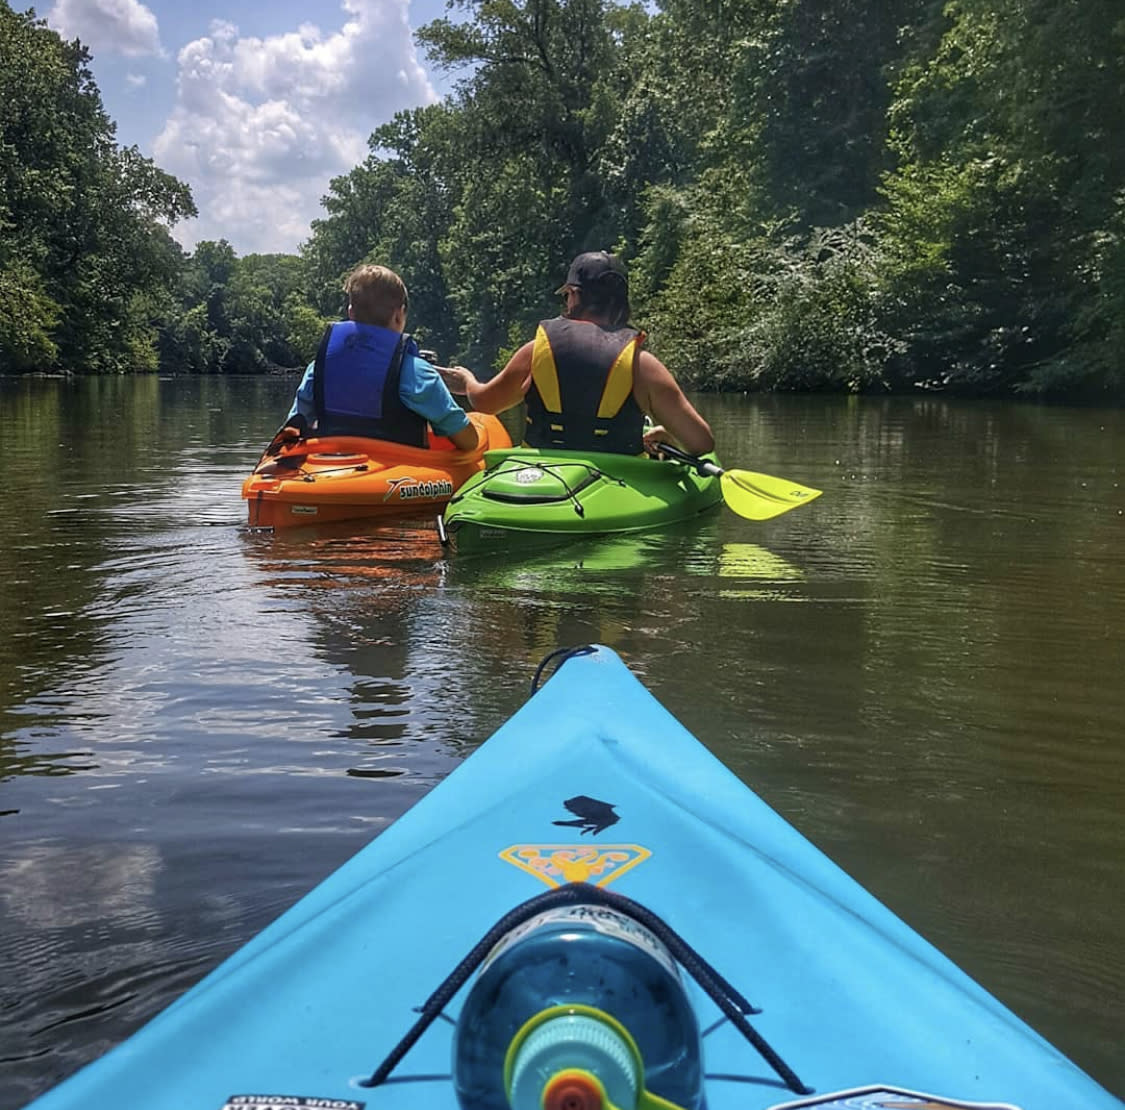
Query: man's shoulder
[(522, 355), (649, 367)]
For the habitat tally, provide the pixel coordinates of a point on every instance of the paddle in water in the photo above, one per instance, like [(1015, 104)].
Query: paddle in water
[(754, 496)]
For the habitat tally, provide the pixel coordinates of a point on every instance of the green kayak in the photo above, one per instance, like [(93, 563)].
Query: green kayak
[(525, 492)]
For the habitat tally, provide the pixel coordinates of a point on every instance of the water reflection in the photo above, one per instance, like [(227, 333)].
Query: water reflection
[(122, 878), (362, 592), (921, 670), (692, 546)]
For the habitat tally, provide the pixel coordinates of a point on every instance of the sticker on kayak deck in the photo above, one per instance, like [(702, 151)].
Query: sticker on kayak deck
[(411, 489), (556, 864), (289, 1102), (303, 510), (887, 1098), (591, 816)]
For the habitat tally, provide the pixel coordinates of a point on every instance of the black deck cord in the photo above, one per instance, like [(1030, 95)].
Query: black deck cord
[(498, 469), (565, 653), (547, 468), (579, 508), (729, 1000)]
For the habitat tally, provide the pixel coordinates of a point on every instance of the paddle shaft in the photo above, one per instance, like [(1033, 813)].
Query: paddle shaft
[(702, 466)]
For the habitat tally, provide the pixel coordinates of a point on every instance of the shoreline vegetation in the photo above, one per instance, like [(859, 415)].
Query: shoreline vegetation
[(915, 196)]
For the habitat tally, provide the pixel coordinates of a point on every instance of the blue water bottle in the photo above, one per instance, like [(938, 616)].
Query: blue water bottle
[(579, 1008)]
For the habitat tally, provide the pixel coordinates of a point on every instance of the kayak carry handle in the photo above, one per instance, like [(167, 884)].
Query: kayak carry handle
[(565, 653)]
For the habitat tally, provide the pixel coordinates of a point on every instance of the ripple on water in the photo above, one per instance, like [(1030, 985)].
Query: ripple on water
[(921, 670)]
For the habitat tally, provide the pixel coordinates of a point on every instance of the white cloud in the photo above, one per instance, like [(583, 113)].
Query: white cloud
[(136, 80), (261, 125), (113, 26)]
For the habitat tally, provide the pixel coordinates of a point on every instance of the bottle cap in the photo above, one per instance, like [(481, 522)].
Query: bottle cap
[(567, 1045), (573, 1090)]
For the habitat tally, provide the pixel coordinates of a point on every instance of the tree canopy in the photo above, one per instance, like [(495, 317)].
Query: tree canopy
[(86, 260), (916, 194)]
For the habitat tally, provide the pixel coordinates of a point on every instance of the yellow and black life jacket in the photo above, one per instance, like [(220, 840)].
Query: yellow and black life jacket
[(581, 393)]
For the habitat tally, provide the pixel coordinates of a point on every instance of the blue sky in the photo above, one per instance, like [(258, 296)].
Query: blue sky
[(256, 104)]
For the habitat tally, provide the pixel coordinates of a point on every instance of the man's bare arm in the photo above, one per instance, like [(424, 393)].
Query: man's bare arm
[(659, 395), (504, 391)]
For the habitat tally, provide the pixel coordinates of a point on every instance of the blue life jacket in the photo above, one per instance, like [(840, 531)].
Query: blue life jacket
[(355, 385), (581, 392)]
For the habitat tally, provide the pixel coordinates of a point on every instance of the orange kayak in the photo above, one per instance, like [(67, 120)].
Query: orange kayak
[(324, 479)]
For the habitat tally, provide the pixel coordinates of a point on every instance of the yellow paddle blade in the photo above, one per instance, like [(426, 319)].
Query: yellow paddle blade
[(760, 496)]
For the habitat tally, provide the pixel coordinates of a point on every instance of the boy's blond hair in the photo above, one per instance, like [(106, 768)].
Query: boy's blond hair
[(375, 293)]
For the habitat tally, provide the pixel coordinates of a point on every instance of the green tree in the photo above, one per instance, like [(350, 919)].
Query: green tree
[(239, 315), (1003, 221), (392, 209), (83, 222), (532, 117), (808, 109), (916, 194)]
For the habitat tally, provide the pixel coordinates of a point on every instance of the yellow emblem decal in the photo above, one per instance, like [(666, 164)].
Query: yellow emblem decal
[(556, 864)]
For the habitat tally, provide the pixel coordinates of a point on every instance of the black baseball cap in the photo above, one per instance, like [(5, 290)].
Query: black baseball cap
[(591, 267)]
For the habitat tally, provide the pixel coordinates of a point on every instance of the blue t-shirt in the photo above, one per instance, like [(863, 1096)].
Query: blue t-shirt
[(420, 389)]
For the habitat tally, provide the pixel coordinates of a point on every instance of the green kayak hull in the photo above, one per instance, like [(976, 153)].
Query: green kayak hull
[(524, 492)]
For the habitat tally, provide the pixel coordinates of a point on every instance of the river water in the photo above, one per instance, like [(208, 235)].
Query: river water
[(922, 671)]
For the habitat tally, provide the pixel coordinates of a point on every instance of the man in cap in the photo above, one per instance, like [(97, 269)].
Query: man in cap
[(587, 381)]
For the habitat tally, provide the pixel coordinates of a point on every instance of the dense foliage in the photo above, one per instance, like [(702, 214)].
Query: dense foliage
[(86, 260), (849, 196), (915, 194), (90, 278), (239, 315)]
